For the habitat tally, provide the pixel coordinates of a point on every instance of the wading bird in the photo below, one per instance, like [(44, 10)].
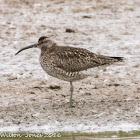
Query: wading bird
[(68, 63)]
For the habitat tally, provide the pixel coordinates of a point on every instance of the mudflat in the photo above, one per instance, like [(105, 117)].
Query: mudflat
[(32, 101)]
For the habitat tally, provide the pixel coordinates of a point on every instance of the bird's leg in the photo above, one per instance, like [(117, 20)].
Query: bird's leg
[(71, 91)]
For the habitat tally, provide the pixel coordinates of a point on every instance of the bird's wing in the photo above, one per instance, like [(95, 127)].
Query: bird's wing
[(75, 59)]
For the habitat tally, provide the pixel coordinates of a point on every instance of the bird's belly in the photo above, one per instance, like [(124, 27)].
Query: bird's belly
[(71, 76), (59, 73), (63, 75), (67, 76)]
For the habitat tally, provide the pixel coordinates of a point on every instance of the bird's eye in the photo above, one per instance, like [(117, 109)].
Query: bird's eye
[(42, 38)]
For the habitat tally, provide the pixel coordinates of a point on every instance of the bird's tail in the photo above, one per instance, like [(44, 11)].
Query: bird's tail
[(118, 58)]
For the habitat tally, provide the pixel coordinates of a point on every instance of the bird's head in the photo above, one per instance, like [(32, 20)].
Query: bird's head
[(43, 43)]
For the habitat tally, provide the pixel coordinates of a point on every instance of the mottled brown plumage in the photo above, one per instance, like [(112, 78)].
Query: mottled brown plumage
[(68, 63)]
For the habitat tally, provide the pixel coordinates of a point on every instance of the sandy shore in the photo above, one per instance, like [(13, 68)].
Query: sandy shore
[(108, 102)]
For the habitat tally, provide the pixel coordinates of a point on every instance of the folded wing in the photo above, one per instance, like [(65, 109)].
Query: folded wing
[(79, 59)]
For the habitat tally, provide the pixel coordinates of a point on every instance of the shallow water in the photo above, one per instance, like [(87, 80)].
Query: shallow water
[(135, 135)]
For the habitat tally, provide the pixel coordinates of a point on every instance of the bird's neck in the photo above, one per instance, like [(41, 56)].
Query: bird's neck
[(48, 48)]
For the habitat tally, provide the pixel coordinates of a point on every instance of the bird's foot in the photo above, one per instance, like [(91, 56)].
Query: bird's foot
[(72, 106)]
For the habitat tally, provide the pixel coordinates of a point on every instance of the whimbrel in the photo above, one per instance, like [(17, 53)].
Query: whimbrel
[(68, 63)]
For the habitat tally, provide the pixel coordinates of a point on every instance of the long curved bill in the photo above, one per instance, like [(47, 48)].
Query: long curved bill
[(31, 46)]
